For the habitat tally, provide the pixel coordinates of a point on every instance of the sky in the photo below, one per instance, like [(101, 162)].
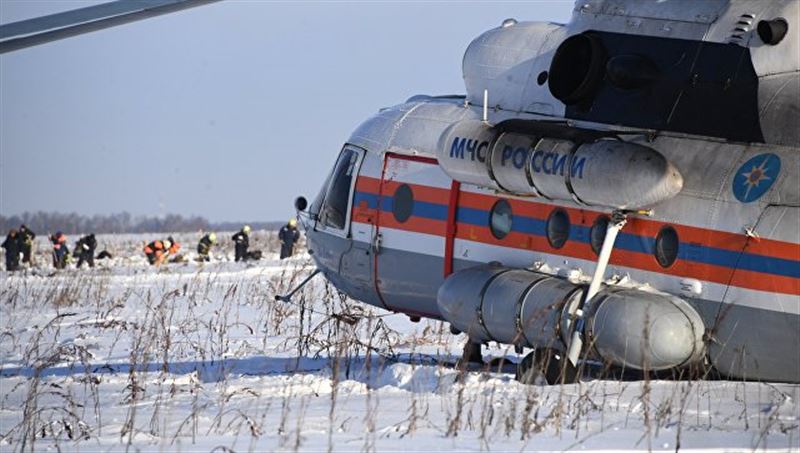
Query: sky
[(228, 111)]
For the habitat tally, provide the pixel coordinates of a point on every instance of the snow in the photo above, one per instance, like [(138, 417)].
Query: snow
[(193, 356)]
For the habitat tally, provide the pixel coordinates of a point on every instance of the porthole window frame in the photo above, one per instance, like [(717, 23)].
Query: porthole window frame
[(551, 218), (499, 234), (666, 261), (606, 220), (408, 212)]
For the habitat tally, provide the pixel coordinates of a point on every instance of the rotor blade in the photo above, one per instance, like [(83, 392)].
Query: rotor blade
[(40, 30)]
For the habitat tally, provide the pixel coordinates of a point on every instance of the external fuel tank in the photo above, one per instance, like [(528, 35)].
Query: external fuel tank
[(608, 173), (626, 327)]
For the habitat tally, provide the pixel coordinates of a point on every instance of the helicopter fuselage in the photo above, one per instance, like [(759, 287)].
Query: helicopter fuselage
[(484, 214), (736, 261)]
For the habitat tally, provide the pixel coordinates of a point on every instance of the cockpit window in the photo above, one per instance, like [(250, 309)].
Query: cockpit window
[(334, 211)]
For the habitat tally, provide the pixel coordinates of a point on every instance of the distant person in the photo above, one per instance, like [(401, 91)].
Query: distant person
[(85, 248), (26, 237), (241, 242), (60, 250), (154, 252), (12, 246), (204, 246), (158, 251), (288, 235)]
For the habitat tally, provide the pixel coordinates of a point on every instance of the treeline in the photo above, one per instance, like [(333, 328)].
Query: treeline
[(73, 223)]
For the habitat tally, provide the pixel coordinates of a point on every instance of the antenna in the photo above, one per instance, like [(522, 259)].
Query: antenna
[(486, 106)]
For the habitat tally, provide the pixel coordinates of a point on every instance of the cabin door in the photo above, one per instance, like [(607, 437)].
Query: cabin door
[(410, 232)]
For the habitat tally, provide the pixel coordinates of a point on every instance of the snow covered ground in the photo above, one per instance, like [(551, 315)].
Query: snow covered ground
[(191, 357)]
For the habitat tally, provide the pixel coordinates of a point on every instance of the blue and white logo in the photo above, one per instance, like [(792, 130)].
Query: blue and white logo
[(754, 178)]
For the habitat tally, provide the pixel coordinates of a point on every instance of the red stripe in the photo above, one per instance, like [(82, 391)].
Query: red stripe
[(421, 193), (368, 184)]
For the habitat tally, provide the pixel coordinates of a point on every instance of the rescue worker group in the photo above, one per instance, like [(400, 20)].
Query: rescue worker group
[(18, 247)]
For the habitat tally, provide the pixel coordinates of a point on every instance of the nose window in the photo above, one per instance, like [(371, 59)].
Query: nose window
[(334, 212)]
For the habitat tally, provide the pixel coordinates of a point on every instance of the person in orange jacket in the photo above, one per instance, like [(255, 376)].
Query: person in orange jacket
[(158, 251)]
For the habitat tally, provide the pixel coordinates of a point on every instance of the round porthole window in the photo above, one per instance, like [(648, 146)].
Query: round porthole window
[(500, 219), (558, 228), (598, 233), (667, 246), (403, 203)]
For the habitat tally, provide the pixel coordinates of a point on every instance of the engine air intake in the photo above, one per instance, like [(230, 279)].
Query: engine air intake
[(577, 68)]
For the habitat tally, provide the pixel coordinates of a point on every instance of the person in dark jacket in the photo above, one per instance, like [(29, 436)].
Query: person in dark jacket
[(241, 242), (85, 248), (12, 246), (288, 235), (60, 250), (26, 237), (204, 246)]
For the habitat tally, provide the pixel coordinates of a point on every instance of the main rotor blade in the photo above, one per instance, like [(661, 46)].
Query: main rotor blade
[(40, 30)]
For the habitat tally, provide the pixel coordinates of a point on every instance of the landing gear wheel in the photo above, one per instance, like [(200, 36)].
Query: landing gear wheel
[(546, 366)]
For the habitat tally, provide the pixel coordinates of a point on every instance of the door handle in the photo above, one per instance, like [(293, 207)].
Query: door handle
[(377, 241)]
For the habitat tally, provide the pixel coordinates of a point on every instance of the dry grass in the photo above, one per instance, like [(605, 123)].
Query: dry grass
[(175, 342)]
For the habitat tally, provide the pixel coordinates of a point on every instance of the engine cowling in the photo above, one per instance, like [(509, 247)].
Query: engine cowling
[(626, 327)]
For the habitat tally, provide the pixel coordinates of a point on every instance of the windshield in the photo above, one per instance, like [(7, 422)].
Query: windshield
[(334, 211)]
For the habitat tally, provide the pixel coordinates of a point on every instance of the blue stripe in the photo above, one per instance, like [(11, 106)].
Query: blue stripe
[(745, 261), (433, 211), (625, 241), (635, 243), (371, 199), (472, 216), (528, 225)]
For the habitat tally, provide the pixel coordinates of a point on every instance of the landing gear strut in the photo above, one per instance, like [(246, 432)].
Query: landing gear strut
[(546, 366), (618, 220), (472, 354)]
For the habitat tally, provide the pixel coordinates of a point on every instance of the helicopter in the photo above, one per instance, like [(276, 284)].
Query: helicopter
[(621, 189)]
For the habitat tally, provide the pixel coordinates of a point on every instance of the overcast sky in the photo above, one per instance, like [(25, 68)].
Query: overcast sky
[(229, 110)]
